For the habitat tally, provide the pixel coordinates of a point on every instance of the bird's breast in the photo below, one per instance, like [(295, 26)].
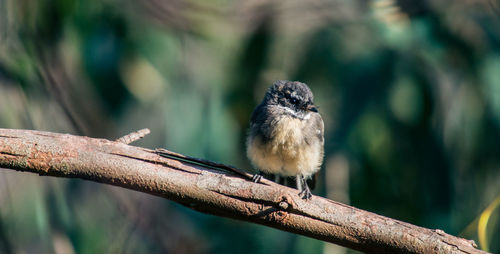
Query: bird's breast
[(287, 136), (291, 147)]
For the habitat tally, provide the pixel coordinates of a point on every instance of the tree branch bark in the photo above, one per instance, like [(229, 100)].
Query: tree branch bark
[(218, 191)]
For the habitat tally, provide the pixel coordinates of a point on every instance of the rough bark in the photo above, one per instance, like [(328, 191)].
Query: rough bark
[(219, 191)]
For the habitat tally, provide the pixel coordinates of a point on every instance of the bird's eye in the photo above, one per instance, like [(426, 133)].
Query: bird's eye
[(294, 101)]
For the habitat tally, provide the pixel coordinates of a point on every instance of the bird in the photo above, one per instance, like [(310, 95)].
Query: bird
[(286, 136)]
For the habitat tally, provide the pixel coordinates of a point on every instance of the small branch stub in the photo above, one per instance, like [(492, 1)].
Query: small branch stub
[(134, 136)]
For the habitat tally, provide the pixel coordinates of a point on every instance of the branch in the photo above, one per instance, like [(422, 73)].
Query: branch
[(219, 190)]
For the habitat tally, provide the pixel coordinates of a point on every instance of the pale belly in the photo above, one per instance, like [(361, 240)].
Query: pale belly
[(287, 154)]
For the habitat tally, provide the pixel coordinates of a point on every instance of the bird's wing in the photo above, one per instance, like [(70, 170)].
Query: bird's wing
[(319, 127)]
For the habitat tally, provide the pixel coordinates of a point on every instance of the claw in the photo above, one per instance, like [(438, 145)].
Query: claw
[(256, 178), (306, 194)]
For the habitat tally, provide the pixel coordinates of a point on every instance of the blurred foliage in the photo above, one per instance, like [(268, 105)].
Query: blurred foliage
[(409, 91), (484, 221)]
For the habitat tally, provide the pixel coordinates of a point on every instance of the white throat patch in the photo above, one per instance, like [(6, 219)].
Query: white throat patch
[(300, 115)]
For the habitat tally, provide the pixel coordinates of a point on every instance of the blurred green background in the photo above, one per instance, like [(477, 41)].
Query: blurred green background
[(409, 91)]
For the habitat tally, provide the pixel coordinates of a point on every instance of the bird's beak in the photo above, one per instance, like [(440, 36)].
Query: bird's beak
[(312, 108)]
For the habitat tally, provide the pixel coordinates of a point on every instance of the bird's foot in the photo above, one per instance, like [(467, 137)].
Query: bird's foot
[(306, 193), (256, 178)]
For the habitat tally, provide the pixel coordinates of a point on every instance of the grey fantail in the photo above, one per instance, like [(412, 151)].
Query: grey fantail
[(286, 134)]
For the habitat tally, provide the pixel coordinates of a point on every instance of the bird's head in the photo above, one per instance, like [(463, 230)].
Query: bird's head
[(294, 97)]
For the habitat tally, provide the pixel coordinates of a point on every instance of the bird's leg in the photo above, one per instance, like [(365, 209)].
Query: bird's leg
[(277, 179), (305, 192), (298, 179), (257, 177)]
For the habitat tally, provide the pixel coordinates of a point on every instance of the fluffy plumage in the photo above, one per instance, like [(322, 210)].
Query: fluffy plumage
[(286, 133)]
